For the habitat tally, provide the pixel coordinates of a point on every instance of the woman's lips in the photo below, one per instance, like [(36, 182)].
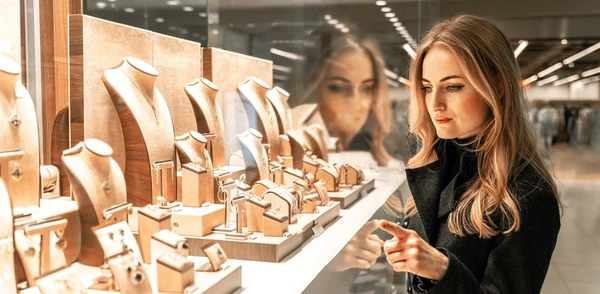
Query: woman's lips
[(442, 120)]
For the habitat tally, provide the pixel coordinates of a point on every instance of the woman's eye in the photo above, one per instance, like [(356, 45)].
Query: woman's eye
[(426, 89), (336, 89), (367, 89), (454, 88)]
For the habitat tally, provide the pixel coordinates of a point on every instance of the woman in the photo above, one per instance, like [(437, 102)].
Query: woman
[(484, 216), (349, 86)]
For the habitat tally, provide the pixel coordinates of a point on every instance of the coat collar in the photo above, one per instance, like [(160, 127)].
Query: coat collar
[(435, 199)]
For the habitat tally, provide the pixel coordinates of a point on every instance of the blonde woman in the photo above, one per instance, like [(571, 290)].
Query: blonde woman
[(348, 84), (485, 214)]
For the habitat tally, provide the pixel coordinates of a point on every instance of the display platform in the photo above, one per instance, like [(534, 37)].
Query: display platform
[(347, 196), (270, 249)]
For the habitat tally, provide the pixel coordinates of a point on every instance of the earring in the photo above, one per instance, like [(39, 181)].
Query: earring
[(30, 251), (136, 276), (61, 244), (17, 173)]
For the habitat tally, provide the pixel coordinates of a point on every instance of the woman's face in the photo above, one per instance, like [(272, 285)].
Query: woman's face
[(346, 94), (456, 109)]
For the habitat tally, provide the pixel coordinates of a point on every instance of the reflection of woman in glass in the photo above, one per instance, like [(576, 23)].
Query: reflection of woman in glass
[(349, 85), (484, 216)]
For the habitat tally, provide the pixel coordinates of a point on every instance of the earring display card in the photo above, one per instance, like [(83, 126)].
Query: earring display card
[(129, 273), (65, 281), (116, 239)]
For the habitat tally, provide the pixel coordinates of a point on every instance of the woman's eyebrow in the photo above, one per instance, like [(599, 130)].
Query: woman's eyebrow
[(339, 79), (445, 78)]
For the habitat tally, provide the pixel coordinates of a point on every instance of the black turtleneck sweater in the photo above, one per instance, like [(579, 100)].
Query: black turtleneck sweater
[(516, 262)]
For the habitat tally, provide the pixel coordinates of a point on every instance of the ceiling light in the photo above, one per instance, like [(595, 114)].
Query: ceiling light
[(409, 50), (188, 8), (564, 41), (345, 30), (172, 2), (403, 80), (332, 21), (394, 19), (339, 26), (282, 68), (589, 80), (549, 70), (280, 77), (202, 14), (590, 72), (520, 48), (530, 80), (386, 9), (566, 80), (548, 80), (129, 10), (583, 53), (327, 17), (390, 14), (286, 54), (159, 19), (397, 24), (380, 3), (390, 74), (250, 25), (100, 4), (402, 28)]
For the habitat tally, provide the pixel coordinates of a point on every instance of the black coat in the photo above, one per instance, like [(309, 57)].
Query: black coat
[(507, 263)]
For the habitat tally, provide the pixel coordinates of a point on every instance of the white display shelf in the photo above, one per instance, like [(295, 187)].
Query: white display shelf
[(301, 267)]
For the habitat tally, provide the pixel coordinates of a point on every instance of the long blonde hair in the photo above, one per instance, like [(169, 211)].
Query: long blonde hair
[(381, 107), (507, 142)]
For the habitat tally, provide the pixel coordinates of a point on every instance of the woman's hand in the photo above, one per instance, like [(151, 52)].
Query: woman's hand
[(361, 251), (407, 252)]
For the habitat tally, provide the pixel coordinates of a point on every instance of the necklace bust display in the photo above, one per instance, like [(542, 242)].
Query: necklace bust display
[(278, 98), (209, 118), (18, 132), (255, 156), (97, 184), (147, 130), (260, 113)]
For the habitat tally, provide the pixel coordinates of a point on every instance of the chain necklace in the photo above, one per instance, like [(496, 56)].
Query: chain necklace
[(106, 186), (151, 102)]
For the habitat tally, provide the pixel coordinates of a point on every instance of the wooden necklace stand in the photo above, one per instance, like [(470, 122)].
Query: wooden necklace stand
[(147, 131), (255, 156), (209, 118), (19, 133), (197, 170), (7, 246), (260, 113), (98, 186), (278, 98)]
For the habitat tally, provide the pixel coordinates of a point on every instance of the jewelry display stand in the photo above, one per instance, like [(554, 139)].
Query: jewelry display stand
[(50, 178), (315, 137), (98, 186), (278, 98), (19, 129), (259, 111), (151, 220), (147, 129), (209, 119), (39, 244), (7, 246), (197, 171), (255, 156)]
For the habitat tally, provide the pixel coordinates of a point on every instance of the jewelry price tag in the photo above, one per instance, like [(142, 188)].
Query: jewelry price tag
[(318, 230)]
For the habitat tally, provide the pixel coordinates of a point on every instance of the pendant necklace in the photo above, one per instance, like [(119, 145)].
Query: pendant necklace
[(14, 120), (106, 186)]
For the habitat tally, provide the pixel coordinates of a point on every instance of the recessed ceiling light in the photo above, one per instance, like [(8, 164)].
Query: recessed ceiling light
[(339, 26), (129, 10), (590, 72), (520, 48), (566, 80), (345, 30), (390, 14), (172, 2), (397, 24), (188, 8), (564, 41), (380, 3), (386, 9), (332, 21), (549, 70), (529, 80), (202, 14), (159, 19), (582, 53), (327, 17), (172, 28), (100, 4), (394, 19), (548, 80)]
